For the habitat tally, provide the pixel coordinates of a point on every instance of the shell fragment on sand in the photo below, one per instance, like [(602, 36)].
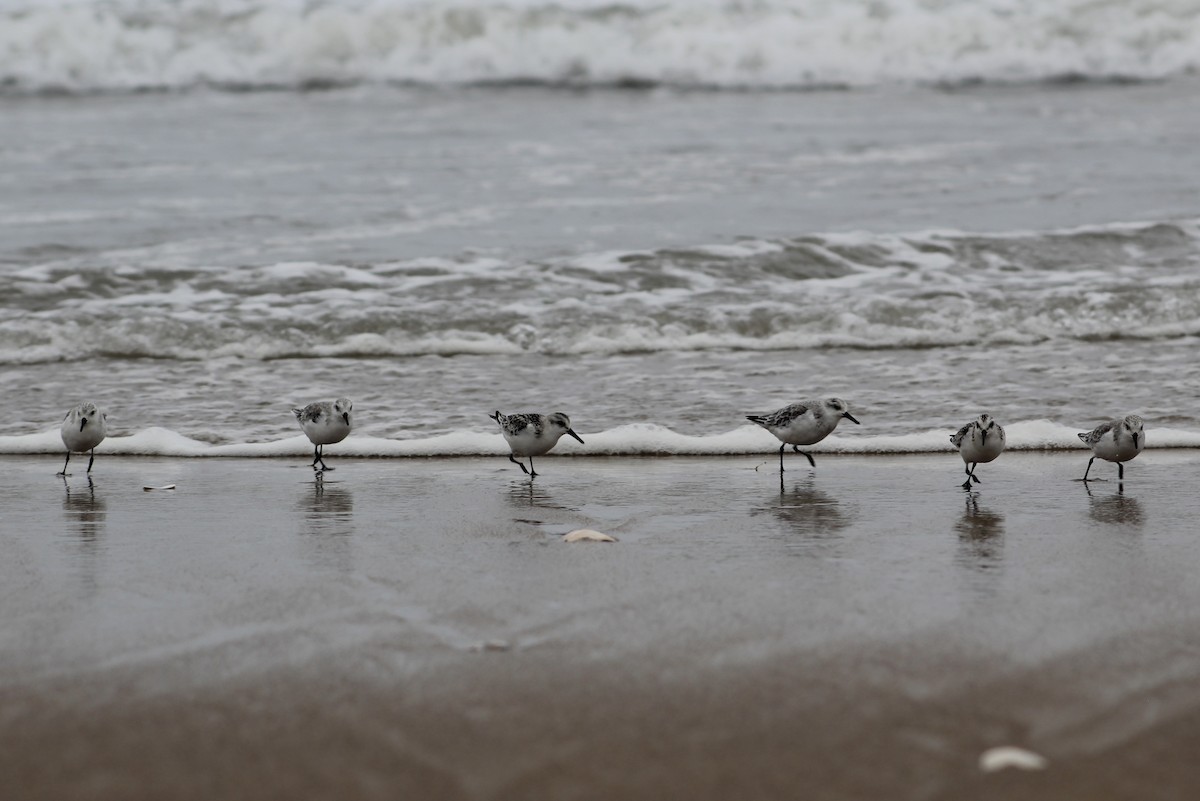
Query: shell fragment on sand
[(1008, 756), (163, 487), (587, 535)]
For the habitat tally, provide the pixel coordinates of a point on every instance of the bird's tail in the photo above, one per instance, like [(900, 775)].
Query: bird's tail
[(495, 416), (1083, 437), (299, 413), (755, 418)]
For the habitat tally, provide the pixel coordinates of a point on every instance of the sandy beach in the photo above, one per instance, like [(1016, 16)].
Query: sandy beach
[(416, 628)]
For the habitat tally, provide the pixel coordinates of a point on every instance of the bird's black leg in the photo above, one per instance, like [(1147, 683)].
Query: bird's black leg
[(807, 456), (521, 465), (781, 447), (1120, 472), (1089, 468), (974, 477), (532, 472), (967, 469), (91, 460), (321, 457), (64, 470), (316, 456)]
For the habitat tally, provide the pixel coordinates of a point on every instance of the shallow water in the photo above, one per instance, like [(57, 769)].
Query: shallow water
[(439, 244), (862, 550), (204, 261)]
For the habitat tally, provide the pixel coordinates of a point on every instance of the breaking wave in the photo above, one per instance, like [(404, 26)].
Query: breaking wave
[(122, 45)]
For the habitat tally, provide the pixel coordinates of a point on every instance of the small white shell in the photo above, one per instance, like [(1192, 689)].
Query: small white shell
[(1008, 756), (587, 535), (163, 487)]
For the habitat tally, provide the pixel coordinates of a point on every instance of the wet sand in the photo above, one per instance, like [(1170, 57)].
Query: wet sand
[(416, 629)]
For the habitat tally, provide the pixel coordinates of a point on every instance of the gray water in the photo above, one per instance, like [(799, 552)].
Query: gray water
[(203, 260)]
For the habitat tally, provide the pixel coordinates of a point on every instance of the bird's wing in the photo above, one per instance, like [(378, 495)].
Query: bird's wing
[(516, 423), (787, 414), (312, 412), (1098, 432), (956, 439)]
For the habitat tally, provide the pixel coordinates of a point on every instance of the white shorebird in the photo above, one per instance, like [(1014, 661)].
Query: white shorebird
[(804, 423), (1115, 441), (979, 441), (325, 423), (532, 434), (83, 429)]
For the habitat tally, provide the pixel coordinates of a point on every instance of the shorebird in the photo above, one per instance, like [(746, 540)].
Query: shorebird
[(532, 434), (978, 441), (1115, 441), (83, 429), (804, 423), (325, 423)]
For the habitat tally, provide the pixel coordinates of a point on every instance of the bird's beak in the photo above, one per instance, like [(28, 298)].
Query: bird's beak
[(850, 417), (1135, 437), (576, 436), (983, 437), (83, 423), (346, 417)]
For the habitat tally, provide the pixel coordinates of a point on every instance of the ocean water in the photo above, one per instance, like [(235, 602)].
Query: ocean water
[(656, 217)]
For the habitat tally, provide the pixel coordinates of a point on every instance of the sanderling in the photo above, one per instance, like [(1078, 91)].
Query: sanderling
[(532, 434), (1115, 441), (804, 423), (83, 429), (978, 441), (324, 423)]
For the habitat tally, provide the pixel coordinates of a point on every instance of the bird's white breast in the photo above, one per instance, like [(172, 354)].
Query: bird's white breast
[(326, 431), (526, 442), (91, 435), (806, 429), (1114, 448), (976, 448)]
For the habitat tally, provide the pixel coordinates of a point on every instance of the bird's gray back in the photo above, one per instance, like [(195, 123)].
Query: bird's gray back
[(312, 412), (516, 423), (1093, 436), (781, 417)]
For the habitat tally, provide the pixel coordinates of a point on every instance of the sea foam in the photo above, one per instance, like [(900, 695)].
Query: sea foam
[(922, 289), (641, 439)]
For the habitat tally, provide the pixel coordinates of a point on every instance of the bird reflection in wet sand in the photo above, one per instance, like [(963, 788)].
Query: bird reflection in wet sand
[(807, 511), (84, 509), (526, 495), (532, 506), (328, 512), (328, 509), (981, 534), (86, 512), (1115, 509)]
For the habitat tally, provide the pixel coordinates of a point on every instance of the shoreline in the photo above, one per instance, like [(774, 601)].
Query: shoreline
[(425, 632), (289, 450)]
